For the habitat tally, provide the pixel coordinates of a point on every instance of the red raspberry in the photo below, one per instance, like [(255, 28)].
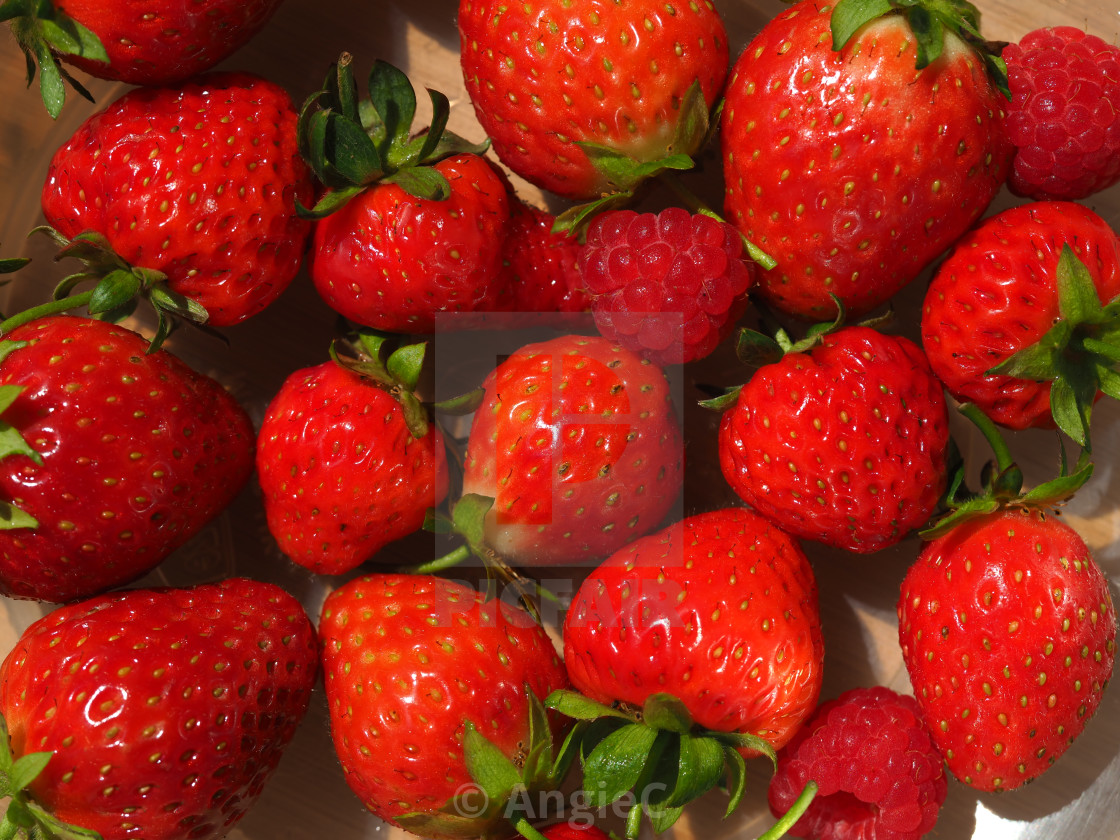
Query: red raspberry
[(879, 773), (1064, 116), (670, 286)]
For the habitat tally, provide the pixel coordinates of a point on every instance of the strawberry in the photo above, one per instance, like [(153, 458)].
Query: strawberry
[(577, 442), (198, 183), (1009, 635), (434, 695), (412, 225), (589, 99), (710, 630), (1013, 320), (1007, 625), (843, 440), (162, 712), (347, 460), (115, 456), (157, 43), (856, 151)]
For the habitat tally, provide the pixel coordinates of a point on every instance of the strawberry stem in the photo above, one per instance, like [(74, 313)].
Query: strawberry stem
[(43, 310), (791, 816), (440, 564)]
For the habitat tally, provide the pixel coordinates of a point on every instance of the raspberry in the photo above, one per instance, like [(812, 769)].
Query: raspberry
[(879, 773), (1064, 116), (670, 286)]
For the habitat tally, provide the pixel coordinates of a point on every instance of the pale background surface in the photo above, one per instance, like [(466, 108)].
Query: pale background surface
[(1079, 798)]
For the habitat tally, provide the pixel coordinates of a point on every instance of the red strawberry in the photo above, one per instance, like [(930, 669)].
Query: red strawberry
[(425, 679), (157, 43), (669, 285), (1064, 117), (844, 443), (1006, 290), (850, 167), (575, 98), (198, 182), (573, 830), (165, 710), (128, 454), (392, 261), (577, 442), (710, 629), (879, 775), (346, 466), (1008, 632)]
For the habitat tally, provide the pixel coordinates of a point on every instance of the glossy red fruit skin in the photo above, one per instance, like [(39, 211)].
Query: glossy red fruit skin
[(1008, 632), (996, 293), (198, 181), (1064, 117), (578, 443), (407, 661), (340, 472), (139, 452), (159, 42), (394, 262), (546, 77), (719, 610), (845, 444), (573, 830), (852, 197), (167, 710)]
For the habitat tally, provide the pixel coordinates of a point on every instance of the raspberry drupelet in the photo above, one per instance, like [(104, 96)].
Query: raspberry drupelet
[(669, 285), (879, 774), (1064, 115)]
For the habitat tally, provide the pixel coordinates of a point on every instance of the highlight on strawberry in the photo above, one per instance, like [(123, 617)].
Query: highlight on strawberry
[(193, 186), (690, 651), (840, 159), (348, 459), (160, 43), (1007, 625), (156, 713), (1022, 318)]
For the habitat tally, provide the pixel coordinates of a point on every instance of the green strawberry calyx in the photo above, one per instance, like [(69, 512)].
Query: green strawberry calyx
[(929, 20), (1079, 355), (656, 754), (25, 818), (117, 289), (352, 143), (43, 33), (1002, 482), (12, 442), (397, 370), (499, 782)]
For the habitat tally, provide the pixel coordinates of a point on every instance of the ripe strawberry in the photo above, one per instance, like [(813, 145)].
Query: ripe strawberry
[(669, 285), (427, 681), (165, 710), (850, 167), (844, 443), (197, 182), (710, 628), (1008, 632), (577, 442), (1064, 117), (573, 830), (878, 773), (345, 465), (392, 261), (1009, 288), (576, 99), (158, 43), (127, 455)]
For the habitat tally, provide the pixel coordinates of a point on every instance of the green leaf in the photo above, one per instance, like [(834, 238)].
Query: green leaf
[(330, 202), (1038, 362), (692, 124), (166, 299), (59, 830), (663, 818), (26, 769), (51, 86), (575, 705), (664, 711), (344, 89), (745, 740), (756, 349), (735, 779), (850, 15), (441, 112), (351, 151), (614, 767), (469, 516), (575, 218), (394, 99), (724, 401), (113, 291), (1071, 402), (701, 768), (1078, 299), (406, 364), (463, 404), (929, 34), (13, 264), (488, 766), (424, 182)]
